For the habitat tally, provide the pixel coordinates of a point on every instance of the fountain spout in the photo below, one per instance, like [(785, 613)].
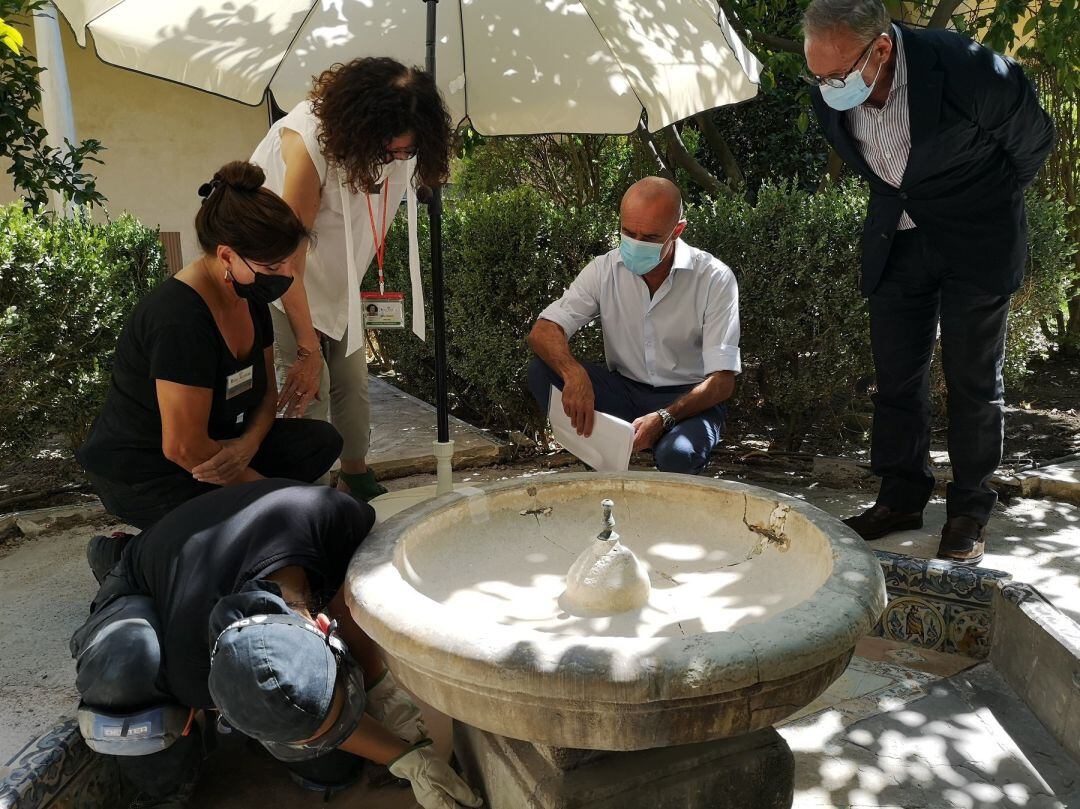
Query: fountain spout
[(607, 578)]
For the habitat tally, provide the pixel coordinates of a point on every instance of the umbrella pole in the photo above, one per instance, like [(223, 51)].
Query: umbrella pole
[(444, 447)]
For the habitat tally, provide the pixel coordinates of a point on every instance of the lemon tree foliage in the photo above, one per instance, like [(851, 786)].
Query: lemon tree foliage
[(35, 167)]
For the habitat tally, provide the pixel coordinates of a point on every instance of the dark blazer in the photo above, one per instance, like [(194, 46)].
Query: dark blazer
[(978, 138)]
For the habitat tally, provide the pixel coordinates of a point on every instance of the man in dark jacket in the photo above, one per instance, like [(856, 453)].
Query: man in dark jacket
[(948, 134)]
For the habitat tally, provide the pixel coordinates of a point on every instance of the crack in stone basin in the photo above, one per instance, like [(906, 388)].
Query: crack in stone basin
[(710, 567)]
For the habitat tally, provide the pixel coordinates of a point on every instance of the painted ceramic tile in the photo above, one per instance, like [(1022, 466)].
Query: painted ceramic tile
[(937, 578), (914, 620), (968, 631), (937, 605)]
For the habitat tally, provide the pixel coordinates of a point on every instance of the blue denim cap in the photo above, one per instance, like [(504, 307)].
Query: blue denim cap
[(273, 677)]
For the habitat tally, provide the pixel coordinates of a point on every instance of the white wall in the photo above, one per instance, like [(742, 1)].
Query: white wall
[(162, 140)]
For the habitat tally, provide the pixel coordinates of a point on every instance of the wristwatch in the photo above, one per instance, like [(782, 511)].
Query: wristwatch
[(667, 418)]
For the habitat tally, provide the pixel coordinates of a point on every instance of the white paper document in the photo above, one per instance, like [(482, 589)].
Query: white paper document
[(606, 450)]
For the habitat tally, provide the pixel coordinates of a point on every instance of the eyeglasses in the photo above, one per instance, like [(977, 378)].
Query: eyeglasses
[(268, 267), (837, 81), (399, 154)]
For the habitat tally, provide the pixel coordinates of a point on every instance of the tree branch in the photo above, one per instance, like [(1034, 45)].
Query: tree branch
[(943, 13), (647, 141), (833, 166), (776, 43), (771, 41), (698, 173), (719, 147)]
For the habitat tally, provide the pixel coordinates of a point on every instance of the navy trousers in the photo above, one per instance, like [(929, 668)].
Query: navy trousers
[(685, 448), (918, 292)]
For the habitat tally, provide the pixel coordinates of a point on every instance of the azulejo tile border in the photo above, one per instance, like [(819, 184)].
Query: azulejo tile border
[(940, 579), (57, 769), (937, 605)]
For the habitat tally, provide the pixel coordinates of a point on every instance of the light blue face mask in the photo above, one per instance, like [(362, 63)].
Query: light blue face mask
[(855, 90), (640, 257)]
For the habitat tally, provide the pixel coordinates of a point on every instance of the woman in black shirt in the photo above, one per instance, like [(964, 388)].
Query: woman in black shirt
[(192, 401)]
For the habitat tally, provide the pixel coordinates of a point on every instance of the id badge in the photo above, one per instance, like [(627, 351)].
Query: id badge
[(383, 310), (240, 382)]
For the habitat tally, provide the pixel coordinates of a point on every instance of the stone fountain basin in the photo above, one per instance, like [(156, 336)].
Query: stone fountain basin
[(757, 602)]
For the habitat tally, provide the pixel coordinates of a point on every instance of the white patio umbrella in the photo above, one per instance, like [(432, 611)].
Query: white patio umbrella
[(511, 67)]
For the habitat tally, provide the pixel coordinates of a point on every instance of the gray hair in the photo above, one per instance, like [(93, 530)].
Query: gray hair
[(864, 18)]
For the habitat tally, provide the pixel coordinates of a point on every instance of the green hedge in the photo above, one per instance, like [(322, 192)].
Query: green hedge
[(805, 331), (506, 256), (66, 288), (806, 344), (1050, 280)]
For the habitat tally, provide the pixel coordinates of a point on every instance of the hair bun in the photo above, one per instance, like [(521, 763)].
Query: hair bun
[(240, 175)]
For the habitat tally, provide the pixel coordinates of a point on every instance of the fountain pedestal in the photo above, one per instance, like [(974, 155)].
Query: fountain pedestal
[(753, 771)]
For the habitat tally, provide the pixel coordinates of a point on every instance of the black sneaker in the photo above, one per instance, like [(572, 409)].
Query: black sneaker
[(102, 552)]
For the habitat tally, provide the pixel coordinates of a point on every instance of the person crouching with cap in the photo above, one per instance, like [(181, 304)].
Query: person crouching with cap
[(212, 608)]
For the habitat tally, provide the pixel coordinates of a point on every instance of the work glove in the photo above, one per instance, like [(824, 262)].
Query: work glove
[(392, 707), (434, 784)]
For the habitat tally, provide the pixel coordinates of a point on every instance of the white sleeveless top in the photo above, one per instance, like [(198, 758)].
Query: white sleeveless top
[(344, 245)]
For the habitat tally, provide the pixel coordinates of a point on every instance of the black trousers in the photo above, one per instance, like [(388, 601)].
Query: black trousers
[(296, 449), (917, 294)]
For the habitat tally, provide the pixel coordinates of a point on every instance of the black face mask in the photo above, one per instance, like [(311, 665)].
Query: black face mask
[(265, 288)]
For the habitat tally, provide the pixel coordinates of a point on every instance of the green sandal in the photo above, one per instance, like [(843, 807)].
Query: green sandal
[(363, 486)]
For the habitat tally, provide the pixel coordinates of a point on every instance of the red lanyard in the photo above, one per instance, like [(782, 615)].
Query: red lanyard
[(380, 240)]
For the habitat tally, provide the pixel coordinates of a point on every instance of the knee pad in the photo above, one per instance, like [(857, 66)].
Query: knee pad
[(139, 733)]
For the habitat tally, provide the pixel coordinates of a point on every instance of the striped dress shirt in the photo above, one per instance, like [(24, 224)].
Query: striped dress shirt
[(883, 136)]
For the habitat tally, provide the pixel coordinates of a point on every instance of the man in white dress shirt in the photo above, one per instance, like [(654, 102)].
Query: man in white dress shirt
[(670, 316)]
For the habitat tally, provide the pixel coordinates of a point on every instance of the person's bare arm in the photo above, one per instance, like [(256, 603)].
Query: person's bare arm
[(714, 389), (303, 193), (548, 341), (185, 412)]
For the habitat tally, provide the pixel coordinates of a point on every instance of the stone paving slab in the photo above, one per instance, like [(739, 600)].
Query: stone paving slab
[(45, 592), (970, 743), (1058, 481), (404, 427)]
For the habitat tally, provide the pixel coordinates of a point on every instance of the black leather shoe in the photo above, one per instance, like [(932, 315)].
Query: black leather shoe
[(963, 541), (876, 522), (102, 552)]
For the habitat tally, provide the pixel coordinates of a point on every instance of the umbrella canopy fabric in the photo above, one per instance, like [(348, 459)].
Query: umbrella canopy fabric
[(511, 67)]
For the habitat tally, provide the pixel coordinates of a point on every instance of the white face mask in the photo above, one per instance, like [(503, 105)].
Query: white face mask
[(855, 90), (386, 169)]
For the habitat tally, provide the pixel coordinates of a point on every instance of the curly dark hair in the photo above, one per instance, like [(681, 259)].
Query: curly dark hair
[(364, 104)]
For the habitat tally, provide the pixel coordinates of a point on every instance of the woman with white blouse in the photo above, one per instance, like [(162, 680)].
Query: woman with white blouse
[(343, 159)]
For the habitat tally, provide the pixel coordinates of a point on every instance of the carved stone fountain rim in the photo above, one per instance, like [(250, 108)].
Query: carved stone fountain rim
[(624, 670)]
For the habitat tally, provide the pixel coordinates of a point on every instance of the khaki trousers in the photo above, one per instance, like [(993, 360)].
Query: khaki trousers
[(343, 390)]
